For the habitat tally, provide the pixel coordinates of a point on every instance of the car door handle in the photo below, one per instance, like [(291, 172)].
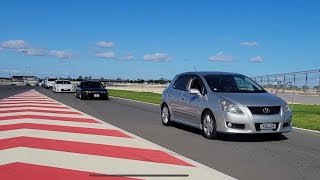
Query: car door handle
[(182, 99)]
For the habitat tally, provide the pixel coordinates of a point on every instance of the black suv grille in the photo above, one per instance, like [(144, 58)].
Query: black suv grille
[(265, 110)]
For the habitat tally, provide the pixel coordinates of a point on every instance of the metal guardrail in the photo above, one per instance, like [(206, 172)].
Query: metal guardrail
[(301, 82)]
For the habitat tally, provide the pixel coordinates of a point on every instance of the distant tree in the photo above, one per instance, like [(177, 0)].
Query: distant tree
[(305, 87), (79, 78)]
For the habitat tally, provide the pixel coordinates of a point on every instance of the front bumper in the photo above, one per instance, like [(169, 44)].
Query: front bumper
[(65, 90), (250, 123), (95, 95)]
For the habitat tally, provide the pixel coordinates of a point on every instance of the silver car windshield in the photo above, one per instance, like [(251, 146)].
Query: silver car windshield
[(232, 84)]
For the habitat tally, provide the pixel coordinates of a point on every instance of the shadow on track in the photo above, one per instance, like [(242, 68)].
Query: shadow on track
[(235, 137)]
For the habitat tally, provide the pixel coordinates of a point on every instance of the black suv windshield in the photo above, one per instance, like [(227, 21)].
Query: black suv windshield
[(232, 84), (91, 85)]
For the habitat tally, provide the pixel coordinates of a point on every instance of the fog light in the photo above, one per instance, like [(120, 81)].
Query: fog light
[(229, 125)]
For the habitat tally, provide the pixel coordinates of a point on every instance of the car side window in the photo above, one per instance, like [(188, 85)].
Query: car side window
[(181, 83), (196, 83)]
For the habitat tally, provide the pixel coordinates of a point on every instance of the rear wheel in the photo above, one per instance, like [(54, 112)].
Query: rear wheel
[(165, 115), (209, 125)]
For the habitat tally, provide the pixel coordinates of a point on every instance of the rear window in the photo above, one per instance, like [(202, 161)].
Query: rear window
[(91, 85), (181, 83), (52, 79)]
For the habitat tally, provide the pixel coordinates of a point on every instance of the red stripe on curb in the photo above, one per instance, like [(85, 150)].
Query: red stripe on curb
[(94, 131), (49, 118), (148, 155), (36, 95), (40, 111), (35, 106), (24, 171), (30, 99), (33, 102)]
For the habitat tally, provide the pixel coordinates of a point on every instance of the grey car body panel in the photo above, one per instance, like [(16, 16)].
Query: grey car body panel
[(187, 109)]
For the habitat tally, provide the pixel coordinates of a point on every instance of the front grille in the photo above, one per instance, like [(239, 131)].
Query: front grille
[(268, 110)]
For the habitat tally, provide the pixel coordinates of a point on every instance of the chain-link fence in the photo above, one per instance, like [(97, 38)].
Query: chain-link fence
[(303, 82)]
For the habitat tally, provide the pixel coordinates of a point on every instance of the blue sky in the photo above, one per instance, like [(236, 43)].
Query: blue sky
[(154, 39)]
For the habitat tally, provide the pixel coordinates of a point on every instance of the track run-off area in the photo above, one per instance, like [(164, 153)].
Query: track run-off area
[(46, 135)]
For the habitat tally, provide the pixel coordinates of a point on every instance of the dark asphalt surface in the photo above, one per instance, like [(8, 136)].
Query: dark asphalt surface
[(296, 155)]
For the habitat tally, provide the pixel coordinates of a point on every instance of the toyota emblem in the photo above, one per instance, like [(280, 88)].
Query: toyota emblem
[(266, 110)]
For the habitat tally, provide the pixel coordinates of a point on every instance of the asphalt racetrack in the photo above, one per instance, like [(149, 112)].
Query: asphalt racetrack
[(296, 155)]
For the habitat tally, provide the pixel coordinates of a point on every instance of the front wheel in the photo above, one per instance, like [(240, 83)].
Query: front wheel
[(81, 97), (165, 115), (209, 125)]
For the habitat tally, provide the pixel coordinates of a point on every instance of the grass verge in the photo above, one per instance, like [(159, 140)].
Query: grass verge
[(138, 96), (304, 116)]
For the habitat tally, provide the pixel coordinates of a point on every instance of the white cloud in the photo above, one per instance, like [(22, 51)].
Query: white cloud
[(249, 43), (105, 44), (14, 44), (127, 57), (60, 54), (11, 71), (106, 55), (34, 52), (220, 57), (256, 59), (157, 57)]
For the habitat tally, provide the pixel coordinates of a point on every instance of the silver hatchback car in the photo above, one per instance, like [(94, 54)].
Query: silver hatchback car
[(220, 102)]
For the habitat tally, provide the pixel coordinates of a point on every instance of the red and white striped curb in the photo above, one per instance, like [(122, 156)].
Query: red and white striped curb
[(41, 138)]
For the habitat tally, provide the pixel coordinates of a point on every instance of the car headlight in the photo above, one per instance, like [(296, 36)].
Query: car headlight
[(87, 92), (231, 108), (287, 108)]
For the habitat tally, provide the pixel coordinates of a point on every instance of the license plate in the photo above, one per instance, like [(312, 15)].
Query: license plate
[(96, 95), (267, 126)]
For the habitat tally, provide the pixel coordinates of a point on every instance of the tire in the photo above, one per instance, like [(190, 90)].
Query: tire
[(81, 97), (75, 94), (209, 125), (165, 115)]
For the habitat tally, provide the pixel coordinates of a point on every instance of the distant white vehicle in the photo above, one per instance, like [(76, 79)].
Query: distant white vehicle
[(41, 83), (63, 86), (48, 83)]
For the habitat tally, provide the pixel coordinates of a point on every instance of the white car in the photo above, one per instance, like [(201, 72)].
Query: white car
[(63, 86), (48, 83)]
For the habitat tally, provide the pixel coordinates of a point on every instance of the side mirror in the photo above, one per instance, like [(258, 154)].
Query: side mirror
[(194, 91)]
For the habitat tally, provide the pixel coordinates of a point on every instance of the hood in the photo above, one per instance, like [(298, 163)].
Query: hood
[(253, 99)]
